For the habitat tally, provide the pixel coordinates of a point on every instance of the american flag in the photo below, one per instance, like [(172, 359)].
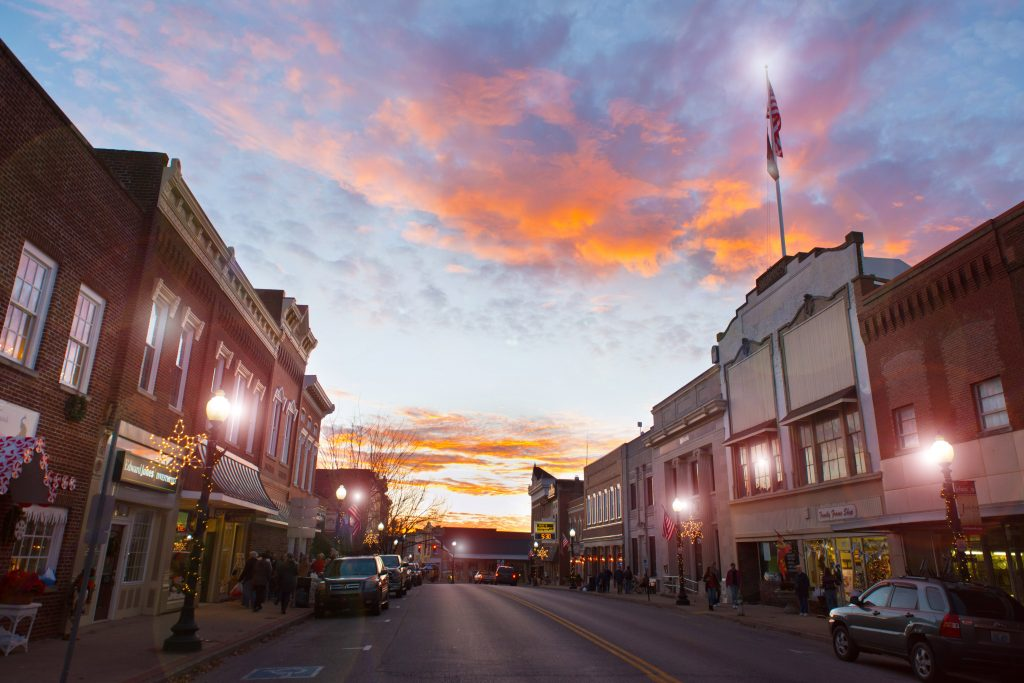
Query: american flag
[(775, 117), (668, 527), (353, 513), (565, 542)]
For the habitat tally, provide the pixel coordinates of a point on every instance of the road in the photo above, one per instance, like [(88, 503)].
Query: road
[(503, 633)]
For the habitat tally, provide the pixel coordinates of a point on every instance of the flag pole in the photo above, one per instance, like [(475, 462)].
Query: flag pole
[(771, 145)]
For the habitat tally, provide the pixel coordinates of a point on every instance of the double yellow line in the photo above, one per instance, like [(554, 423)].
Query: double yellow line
[(649, 670)]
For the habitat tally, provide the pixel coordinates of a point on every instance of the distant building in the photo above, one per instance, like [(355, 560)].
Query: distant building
[(603, 533), (463, 551), (643, 523), (549, 507)]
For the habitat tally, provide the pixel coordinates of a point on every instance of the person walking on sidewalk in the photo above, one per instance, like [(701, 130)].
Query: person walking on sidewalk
[(803, 589), (712, 584), (245, 578), (828, 586), (261, 573), (618, 580), (627, 576), (732, 582), (287, 580)]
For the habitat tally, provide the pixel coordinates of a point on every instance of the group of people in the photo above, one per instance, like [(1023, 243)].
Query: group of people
[(264, 577), (829, 588), (606, 579)]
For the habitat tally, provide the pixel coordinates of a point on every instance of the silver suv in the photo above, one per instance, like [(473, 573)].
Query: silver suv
[(937, 625), (398, 574)]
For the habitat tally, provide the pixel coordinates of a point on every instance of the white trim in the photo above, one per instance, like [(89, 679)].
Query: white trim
[(91, 343), (43, 305)]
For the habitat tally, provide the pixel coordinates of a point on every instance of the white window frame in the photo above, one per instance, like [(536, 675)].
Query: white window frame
[(275, 422), (137, 516), (289, 424), (239, 396), (39, 518), (37, 318), (999, 413), (901, 416), (221, 364), (191, 332), (314, 450), (165, 306), (88, 345), (254, 410)]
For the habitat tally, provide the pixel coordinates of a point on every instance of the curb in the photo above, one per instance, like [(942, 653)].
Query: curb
[(159, 674)]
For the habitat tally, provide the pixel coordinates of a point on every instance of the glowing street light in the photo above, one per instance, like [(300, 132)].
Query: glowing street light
[(679, 506), (341, 492), (941, 453)]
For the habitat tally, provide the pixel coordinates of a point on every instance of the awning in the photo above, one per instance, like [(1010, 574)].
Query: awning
[(847, 395), (237, 482), (756, 430)]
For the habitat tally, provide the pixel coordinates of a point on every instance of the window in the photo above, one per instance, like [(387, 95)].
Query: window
[(830, 445), (191, 330), (254, 411), (26, 311), (289, 423), (239, 398), (905, 421), (81, 349), (694, 481), (138, 545), (757, 465), (650, 491), (39, 548), (163, 308), (934, 597), (632, 496), (991, 403), (904, 597), (855, 442), (879, 597), (275, 422)]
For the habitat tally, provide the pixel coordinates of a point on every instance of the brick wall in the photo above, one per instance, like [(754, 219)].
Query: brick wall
[(55, 193)]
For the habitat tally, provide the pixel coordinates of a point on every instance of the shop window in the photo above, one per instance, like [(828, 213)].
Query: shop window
[(39, 547), (180, 551), (905, 421), (991, 404), (26, 310), (81, 348), (138, 545), (758, 466)]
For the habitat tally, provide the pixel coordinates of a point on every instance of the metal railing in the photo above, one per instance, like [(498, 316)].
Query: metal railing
[(669, 585)]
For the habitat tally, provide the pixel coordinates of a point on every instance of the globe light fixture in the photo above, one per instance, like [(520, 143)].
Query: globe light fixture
[(680, 505), (941, 452), (341, 492), (380, 526), (218, 408)]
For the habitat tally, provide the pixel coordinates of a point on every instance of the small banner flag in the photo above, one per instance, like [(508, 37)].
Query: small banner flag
[(668, 527)]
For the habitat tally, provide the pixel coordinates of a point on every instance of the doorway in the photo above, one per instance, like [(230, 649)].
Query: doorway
[(108, 578)]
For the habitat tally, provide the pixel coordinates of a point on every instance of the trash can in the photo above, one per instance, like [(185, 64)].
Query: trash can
[(302, 591)]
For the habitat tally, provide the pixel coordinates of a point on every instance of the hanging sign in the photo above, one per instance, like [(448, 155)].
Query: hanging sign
[(967, 506)]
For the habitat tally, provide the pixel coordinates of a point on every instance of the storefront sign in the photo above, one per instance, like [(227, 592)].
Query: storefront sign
[(134, 469), (835, 513), (544, 531), (17, 421), (967, 505)]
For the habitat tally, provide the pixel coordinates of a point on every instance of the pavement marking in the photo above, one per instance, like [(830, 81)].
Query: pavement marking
[(364, 648), (648, 669), (279, 672)]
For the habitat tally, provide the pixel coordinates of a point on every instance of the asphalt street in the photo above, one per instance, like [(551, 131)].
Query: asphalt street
[(502, 633)]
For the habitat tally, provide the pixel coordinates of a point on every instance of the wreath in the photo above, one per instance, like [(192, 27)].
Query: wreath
[(74, 407)]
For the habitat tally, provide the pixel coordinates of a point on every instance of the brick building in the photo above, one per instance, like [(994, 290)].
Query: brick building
[(943, 343), (64, 295), (550, 498)]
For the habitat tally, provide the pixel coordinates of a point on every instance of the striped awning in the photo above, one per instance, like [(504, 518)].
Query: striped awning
[(239, 480)]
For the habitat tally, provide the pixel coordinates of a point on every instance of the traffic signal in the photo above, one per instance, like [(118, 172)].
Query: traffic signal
[(434, 548), (419, 547)]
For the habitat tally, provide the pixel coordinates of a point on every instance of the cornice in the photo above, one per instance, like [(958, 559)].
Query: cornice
[(184, 213), (694, 418)]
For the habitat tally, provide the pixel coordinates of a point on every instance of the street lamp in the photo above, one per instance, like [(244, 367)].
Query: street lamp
[(341, 493), (455, 565), (679, 506), (942, 454), (533, 563), (380, 536), (572, 558), (184, 638)]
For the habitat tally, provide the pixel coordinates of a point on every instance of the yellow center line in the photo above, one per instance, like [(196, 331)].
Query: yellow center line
[(648, 669)]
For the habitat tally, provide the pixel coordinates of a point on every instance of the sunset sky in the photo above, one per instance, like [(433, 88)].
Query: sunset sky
[(519, 225)]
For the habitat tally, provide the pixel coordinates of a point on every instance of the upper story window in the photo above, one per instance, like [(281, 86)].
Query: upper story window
[(254, 410), (632, 495), (26, 311), (163, 308), (191, 330), (275, 422), (81, 348), (757, 466), (905, 421), (694, 481), (831, 445), (239, 401), (220, 366), (289, 423), (991, 403), (650, 491)]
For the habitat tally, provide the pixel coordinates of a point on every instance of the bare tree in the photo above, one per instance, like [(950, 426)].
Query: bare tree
[(390, 449)]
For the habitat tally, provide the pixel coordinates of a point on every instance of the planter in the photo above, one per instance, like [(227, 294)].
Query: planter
[(12, 598)]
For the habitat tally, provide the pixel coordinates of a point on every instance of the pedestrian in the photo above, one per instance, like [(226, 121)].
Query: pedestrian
[(618, 580), (803, 588), (245, 578), (647, 582), (711, 585), (607, 579), (318, 564), (732, 582), (303, 565), (828, 587), (627, 576), (287, 580), (261, 573)]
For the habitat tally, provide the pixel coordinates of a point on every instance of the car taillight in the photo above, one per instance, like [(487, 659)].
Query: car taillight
[(950, 626)]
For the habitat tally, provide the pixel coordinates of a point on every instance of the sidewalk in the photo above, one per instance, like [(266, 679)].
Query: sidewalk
[(754, 616), (129, 650)]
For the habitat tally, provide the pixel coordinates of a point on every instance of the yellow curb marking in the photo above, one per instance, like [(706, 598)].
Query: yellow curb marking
[(649, 670)]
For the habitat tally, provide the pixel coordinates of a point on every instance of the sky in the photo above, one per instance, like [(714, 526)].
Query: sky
[(519, 225)]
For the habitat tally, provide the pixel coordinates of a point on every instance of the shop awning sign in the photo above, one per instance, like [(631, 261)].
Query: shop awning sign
[(836, 513), (967, 506), (140, 471)]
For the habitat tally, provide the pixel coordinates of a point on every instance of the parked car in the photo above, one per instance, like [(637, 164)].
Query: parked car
[(936, 625), (506, 575), (483, 577), (351, 582), (417, 573), (398, 575)]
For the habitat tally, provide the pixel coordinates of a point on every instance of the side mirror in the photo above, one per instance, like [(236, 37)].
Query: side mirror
[(855, 600), (383, 572)]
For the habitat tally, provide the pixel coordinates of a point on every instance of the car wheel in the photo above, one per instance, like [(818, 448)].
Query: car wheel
[(923, 662), (843, 645)]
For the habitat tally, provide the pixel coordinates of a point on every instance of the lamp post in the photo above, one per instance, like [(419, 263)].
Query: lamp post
[(340, 494), (679, 506), (942, 453), (455, 564), (380, 536), (573, 578), (533, 563), (184, 638)]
